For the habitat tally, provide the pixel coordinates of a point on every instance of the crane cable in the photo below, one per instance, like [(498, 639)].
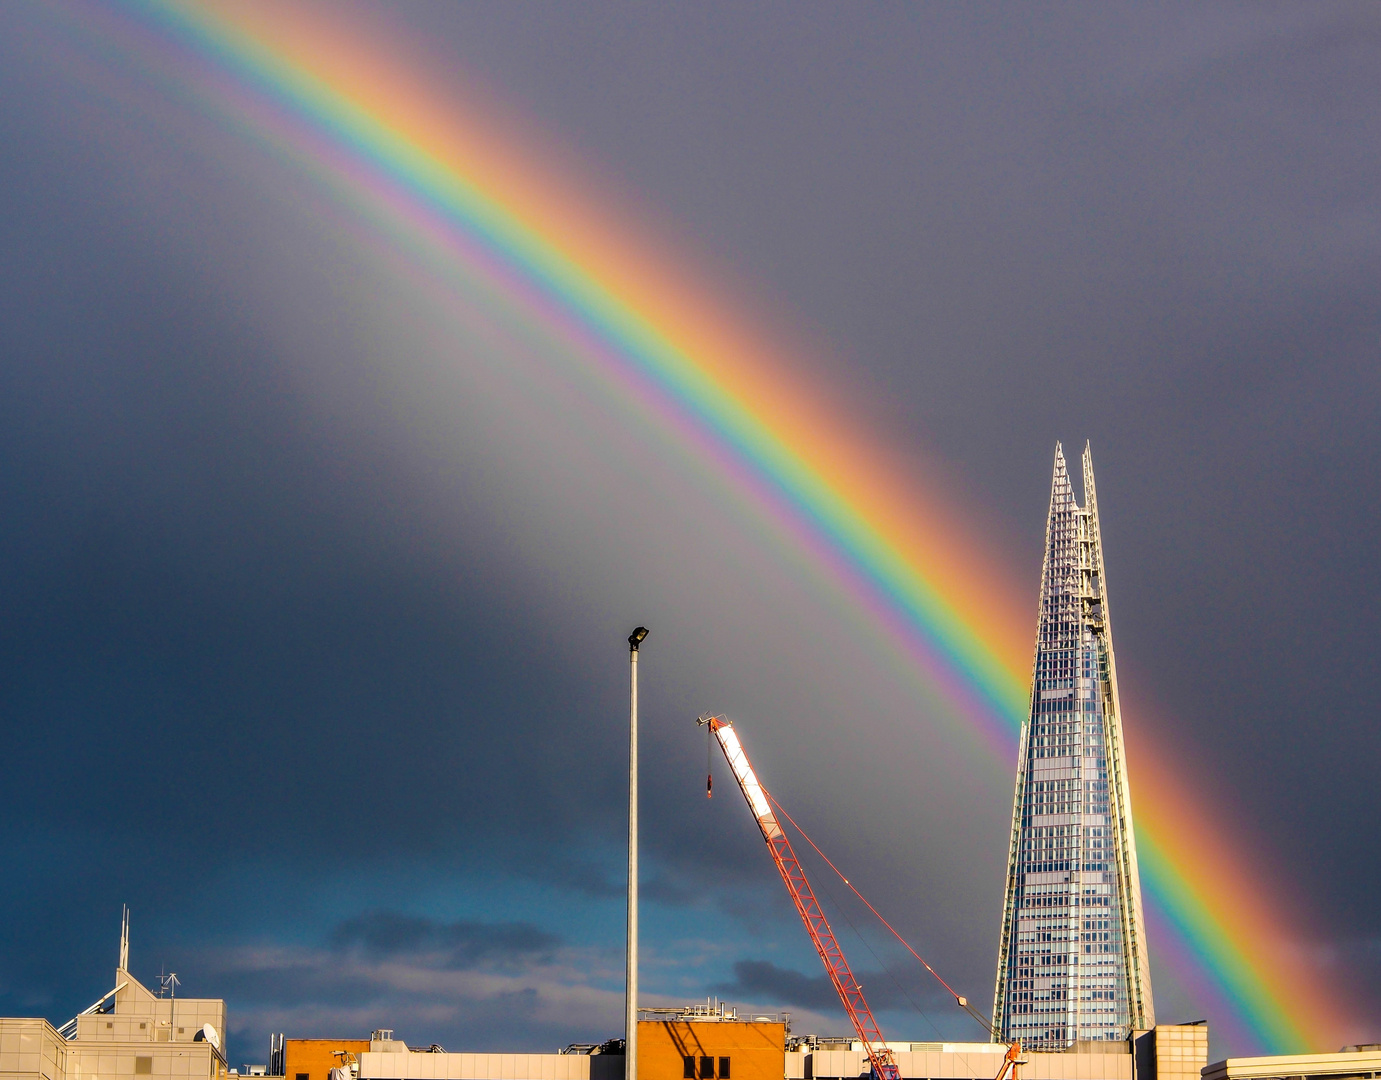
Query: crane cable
[(843, 913), (962, 1001)]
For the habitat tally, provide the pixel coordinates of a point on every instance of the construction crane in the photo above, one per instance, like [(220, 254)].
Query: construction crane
[(807, 906), (1011, 1061), (880, 1056)]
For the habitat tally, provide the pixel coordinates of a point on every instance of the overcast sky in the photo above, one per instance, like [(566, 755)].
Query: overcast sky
[(313, 604)]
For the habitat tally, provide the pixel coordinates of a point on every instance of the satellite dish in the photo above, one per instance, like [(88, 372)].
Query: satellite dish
[(208, 1034)]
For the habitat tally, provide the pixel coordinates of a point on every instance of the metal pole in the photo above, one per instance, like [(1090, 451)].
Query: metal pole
[(630, 1028)]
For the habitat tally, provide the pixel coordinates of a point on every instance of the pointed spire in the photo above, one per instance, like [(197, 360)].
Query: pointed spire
[(1090, 501), (1061, 469), (1061, 490), (124, 937)]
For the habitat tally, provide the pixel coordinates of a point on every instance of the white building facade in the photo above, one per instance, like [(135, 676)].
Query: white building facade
[(128, 1035)]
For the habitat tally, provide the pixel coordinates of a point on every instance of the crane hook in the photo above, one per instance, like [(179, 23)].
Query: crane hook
[(709, 763)]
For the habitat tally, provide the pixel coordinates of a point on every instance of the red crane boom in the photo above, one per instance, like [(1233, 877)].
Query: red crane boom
[(807, 906)]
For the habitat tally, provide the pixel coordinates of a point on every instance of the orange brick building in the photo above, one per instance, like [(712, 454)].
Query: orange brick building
[(710, 1050), (312, 1059)]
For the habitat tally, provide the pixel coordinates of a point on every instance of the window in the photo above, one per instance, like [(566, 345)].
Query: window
[(109, 1024), (688, 1067), (304, 1076), (143, 1027), (723, 1069), (143, 1066), (707, 1068)]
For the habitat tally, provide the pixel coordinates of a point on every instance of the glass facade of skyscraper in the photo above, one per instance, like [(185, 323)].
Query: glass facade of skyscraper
[(1072, 963)]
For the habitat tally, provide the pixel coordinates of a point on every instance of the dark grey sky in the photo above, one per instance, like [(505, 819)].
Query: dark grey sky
[(312, 604)]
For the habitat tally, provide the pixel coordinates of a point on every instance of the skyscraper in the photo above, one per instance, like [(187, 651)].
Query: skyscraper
[(1072, 963)]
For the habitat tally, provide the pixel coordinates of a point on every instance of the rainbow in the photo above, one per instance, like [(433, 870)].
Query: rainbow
[(331, 101)]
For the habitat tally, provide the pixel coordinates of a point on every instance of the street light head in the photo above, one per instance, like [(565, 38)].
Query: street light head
[(636, 638)]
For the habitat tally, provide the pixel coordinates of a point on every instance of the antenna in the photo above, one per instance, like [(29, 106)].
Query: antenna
[(169, 983), (124, 937)]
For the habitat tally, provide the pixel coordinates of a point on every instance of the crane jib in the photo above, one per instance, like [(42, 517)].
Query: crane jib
[(880, 1057)]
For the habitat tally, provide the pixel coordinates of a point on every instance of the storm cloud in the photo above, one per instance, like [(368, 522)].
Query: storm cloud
[(314, 589), (460, 945)]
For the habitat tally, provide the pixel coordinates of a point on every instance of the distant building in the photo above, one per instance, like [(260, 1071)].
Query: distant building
[(1350, 1063), (1172, 1051), (698, 1042), (969, 1061), (711, 1042), (1168, 1052), (128, 1034), (388, 1058), (1072, 963), (313, 1059)]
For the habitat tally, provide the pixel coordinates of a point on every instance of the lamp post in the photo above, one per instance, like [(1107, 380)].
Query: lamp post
[(630, 1032)]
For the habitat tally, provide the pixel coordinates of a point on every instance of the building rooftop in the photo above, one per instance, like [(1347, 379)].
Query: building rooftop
[(1361, 1061)]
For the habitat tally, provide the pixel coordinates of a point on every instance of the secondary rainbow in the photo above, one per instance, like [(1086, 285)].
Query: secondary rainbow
[(436, 177)]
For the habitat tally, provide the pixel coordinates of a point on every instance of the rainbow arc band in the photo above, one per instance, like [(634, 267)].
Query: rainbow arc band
[(324, 98)]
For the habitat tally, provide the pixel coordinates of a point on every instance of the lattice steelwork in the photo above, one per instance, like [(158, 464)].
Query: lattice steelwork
[(1072, 964)]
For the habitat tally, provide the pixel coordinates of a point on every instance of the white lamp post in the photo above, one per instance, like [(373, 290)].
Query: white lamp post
[(630, 1031)]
